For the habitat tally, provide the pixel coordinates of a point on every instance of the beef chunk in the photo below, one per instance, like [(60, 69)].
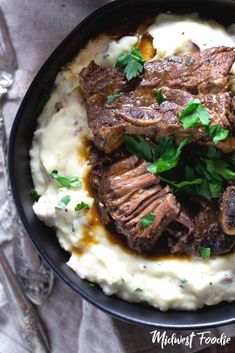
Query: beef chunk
[(136, 111), (128, 193), (207, 233), (203, 72), (94, 79), (227, 210)]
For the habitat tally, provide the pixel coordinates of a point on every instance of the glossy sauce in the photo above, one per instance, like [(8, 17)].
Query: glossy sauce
[(95, 221)]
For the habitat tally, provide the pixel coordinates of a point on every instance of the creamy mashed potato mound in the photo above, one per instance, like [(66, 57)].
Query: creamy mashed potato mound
[(60, 143)]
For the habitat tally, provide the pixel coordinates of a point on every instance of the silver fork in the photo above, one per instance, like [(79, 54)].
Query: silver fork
[(35, 277), (28, 321)]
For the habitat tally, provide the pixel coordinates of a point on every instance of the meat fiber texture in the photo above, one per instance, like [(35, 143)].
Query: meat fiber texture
[(203, 75), (125, 189)]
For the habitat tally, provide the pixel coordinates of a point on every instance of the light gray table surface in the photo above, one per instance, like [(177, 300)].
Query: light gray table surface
[(74, 326)]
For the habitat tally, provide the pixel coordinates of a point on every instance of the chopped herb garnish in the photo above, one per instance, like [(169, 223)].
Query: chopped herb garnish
[(188, 169), (168, 154), (73, 228), (34, 194), (92, 284), (113, 96), (63, 203), (183, 280), (147, 220), (145, 302), (139, 146), (81, 205), (210, 283), (122, 280), (217, 133), (193, 113), (131, 62), (182, 184), (204, 252), (67, 182), (138, 290), (160, 97)]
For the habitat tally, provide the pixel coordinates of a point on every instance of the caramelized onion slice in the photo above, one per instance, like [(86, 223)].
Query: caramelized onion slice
[(146, 47)]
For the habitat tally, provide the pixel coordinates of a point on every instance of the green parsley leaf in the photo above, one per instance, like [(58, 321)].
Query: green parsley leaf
[(204, 115), (113, 96), (160, 97), (34, 194), (183, 280), (217, 133), (170, 156), (204, 190), (131, 62), (139, 146), (193, 113), (92, 284), (138, 290), (230, 158), (145, 302), (204, 252), (147, 220), (216, 190), (66, 182), (219, 170), (213, 153), (184, 183), (189, 173), (63, 203), (81, 205)]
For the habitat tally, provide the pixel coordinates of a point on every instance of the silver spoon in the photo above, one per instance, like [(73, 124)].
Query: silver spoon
[(34, 276)]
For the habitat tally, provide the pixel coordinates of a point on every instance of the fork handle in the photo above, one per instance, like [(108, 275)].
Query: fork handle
[(35, 277), (3, 151), (27, 319)]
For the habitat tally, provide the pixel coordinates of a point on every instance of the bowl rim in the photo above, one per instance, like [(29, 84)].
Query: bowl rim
[(114, 313)]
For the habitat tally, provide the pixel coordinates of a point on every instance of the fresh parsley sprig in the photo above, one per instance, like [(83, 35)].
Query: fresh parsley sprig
[(147, 220), (160, 97), (34, 194), (217, 133), (139, 146), (113, 96), (66, 182), (168, 154), (81, 206), (194, 170), (195, 113), (63, 203), (204, 252), (131, 62)]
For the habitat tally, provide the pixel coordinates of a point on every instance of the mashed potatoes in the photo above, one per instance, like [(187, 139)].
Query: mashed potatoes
[(60, 143)]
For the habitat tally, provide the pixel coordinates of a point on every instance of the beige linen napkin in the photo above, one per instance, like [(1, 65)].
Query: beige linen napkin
[(74, 326)]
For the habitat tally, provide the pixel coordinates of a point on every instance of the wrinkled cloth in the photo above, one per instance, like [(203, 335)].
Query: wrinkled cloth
[(73, 325)]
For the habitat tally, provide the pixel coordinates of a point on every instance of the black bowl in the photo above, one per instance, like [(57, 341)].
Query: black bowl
[(21, 138)]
